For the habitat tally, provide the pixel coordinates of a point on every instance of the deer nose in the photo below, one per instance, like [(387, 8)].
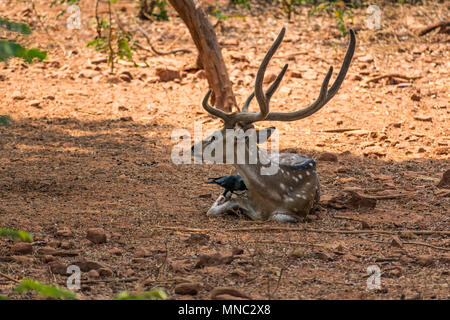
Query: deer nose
[(192, 149)]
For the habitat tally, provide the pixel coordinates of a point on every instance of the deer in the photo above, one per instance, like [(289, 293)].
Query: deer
[(292, 191)]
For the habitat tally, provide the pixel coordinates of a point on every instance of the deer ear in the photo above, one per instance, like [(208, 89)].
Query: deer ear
[(263, 135)]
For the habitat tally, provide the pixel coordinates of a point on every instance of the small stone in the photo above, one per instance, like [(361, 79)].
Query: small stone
[(88, 74), (325, 256), (35, 103), (93, 274), (87, 265), (213, 260), (47, 251), (445, 181), (328, 156), (415, 97), (48, 258), (269, 78), (22, 248), (105, 272), (237, 251), (23, 260), (115, 251), (18, 96), (396, 242), (58, 267), (168, 74), (425, 260), (187, 288), (365, 225), (66, 233), (96, 235), (295, 74), (65, 245)]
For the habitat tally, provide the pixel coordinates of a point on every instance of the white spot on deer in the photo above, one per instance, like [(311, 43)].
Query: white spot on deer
[(308, 173), (295, 179), (282, 186), (291, 188), (304, 197), (300, 176), (310, 164)]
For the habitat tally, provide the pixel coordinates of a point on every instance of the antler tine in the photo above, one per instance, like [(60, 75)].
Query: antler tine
[(216, 112), (329, 94), (273, 87), (259, 93)]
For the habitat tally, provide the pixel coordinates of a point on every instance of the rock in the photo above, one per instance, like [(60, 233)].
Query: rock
[(93, 274), (325, 256), (425, 260), (198, 238), (65, 245), (415, 97), (405, 259), (365, 225), (65, 233), (407, 235), (187, 288), (115, 251), (181, 265), (237, 251), (349, 199), (269, 78), (58, 267), (35, 103), (216, 292), (48, 258), (88, 265), (18, 96), (105, 272), (297, 253), (21, 248), (366, 59), (238, 273), (328, 156), (396, 242), (126, 76), (22, 260), (99, 60), (87, 74), (138, 260), (295, 74), (168, 74), (213, 260), (424, 118), (96, 235), (47, 251), (445, 181)]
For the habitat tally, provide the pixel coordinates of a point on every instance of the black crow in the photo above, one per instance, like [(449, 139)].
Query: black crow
[(230, 183)]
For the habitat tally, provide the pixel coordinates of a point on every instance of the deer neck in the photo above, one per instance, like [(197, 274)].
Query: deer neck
[(252, 173)]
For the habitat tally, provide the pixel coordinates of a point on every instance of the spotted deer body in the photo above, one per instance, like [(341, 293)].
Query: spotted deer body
[(293, 190)]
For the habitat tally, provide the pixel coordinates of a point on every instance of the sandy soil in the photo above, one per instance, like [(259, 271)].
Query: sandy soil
[(90, 149)]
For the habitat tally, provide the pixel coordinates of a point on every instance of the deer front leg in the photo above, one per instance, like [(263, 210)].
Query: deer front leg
[(224, 205)]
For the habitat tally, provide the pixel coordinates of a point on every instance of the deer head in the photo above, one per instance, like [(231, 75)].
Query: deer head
[(269, 196)]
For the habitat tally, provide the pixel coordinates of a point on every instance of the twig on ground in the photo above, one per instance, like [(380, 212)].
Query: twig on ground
[(443, 25), (160, 53), (9, 278), (393, 75)]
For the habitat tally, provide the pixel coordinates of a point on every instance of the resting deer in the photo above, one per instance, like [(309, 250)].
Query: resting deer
[(293, 190)]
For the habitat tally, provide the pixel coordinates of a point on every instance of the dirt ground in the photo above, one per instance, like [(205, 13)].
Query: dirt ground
[(89, 149)]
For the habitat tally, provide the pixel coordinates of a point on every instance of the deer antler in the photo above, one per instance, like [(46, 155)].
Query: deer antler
[(264, 99)]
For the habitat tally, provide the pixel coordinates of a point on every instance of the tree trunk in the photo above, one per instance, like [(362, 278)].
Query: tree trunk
[(205, 39)]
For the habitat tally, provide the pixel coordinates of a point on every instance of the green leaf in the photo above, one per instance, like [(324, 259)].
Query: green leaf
[(15, 26), (9, 49), (44, 290), (155, 294), (5, 121), (3, 298), (16, 234)]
